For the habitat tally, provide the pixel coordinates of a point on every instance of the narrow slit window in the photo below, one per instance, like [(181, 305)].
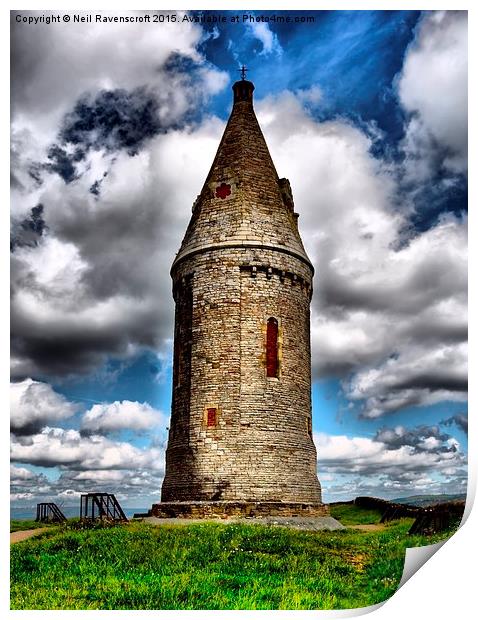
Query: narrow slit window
[(177, 361), (212, 416), (272, 357), (309, 427)]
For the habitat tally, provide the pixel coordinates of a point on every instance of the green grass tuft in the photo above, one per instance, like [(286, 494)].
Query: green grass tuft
[(19, 526), (350, 514), (30, 524)]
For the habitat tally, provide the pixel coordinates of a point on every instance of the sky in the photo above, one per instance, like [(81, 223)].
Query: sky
[(114, 128)]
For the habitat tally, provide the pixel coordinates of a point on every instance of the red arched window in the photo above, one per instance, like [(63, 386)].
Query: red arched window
[(272, 357)]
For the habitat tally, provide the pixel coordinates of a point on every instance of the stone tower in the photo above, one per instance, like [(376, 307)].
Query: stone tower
[(240, 437)]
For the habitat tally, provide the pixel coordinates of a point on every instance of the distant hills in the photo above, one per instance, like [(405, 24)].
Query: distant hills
[(429, 500)]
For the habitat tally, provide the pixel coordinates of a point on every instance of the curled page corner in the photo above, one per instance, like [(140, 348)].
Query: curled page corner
[(353, 612), (470, 499), (416, 557), (361, 611)]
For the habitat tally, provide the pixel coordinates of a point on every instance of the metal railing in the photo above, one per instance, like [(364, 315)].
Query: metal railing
[(49, 512), (100, 506)]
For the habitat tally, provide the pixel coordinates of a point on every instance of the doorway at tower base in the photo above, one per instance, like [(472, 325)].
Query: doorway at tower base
[(224, 509)]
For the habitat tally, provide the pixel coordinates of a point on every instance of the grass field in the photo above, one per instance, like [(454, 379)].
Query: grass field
[(17, 526), (349, 514), (210, 566)]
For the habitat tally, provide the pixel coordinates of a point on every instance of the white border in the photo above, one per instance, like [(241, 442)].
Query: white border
[(446, 586)]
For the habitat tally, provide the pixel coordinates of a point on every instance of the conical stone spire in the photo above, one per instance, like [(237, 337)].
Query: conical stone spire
[(240, 438), (243, 201)]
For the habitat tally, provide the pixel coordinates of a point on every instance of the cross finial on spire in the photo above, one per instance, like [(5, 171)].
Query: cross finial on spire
[(243, 89)]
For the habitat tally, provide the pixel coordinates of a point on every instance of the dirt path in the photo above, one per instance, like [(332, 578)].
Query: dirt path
[(368, 527), (301, 523), (24, 534)]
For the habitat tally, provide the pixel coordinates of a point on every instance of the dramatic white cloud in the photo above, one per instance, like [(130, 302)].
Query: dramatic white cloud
[(422, 377), (269, 39), (397, 462), (58, 447), (100, 476), (21, 473), (107, 417), (310, 96), (340, 454), (433, 87), (34, 404)]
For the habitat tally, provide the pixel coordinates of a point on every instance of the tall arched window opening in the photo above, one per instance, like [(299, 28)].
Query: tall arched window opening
[(272, 348)]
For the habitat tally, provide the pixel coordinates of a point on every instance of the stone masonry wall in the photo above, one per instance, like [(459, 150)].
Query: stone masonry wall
[(224, 509), (261, 448)]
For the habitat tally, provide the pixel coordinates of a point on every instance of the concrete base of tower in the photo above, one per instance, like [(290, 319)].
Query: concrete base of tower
[(224, 509)]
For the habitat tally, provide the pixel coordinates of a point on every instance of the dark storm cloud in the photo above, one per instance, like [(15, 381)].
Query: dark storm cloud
[(28, 232), (433, 278), (27, 429), (395, 438), (121, 249), (95, 188), (178, 63), (60, 353), (112, 120), (71, 347), (460, 419), (62, 163), (115, 120), (119, 244), (427, 330), (434, 382)]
